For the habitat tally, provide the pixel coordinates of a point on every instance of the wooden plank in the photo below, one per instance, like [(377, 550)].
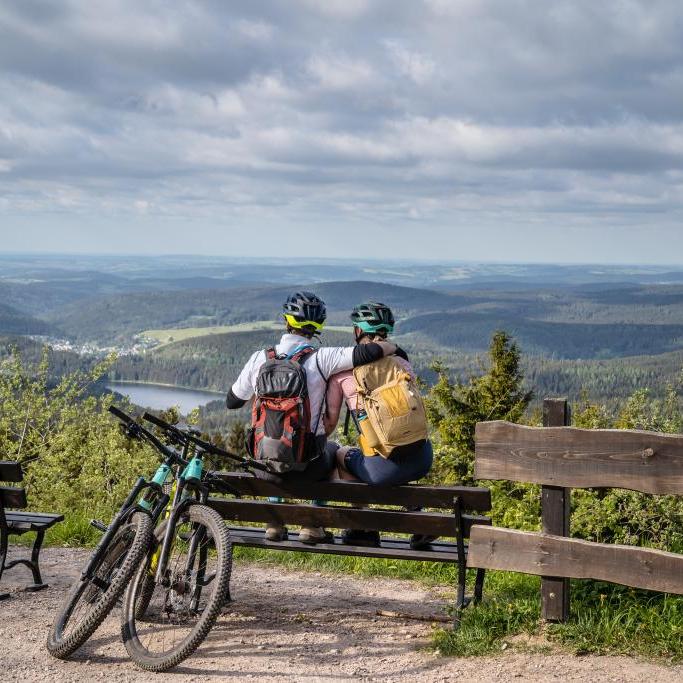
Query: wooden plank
[(10, 471), (555, 515), (580, 458), (472, 498), (432, 523), (11, 497), (548, 555), (39, 517), (396, 549), (36, 520)]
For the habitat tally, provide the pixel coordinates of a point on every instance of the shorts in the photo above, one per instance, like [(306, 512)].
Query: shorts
[(318, 469), (405, 464)]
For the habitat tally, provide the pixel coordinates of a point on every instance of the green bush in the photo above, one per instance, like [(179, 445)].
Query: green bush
[(75, 457)]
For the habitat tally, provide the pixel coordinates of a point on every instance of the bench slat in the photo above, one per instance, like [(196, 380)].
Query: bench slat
[(11, 497), (10, 470), (433, 523), (472, 498), (32, 521), (397, 549)]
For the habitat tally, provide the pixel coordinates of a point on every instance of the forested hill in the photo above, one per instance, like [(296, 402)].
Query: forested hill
[(117, 317), (466, 331), (13, 321), (211, 362), (608, 330)]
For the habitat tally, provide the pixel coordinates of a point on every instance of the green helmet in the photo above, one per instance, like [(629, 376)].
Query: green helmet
[(373, 318)]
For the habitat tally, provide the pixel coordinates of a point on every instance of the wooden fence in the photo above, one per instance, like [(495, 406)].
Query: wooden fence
[(560, 458)]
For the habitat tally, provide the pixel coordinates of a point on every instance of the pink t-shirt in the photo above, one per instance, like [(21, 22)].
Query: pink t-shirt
[(342, 388)]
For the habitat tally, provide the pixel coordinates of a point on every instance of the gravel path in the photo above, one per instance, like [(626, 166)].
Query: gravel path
[(286, 625)]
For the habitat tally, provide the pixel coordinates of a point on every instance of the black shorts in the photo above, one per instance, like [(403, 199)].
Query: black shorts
[(319, 469)]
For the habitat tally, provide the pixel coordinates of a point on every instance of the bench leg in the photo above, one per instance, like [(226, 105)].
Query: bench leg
[(35, 566), (479, 585), (3, 556), (32, 564)]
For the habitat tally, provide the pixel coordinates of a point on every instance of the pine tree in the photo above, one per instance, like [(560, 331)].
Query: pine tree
[(236, 441), (454, 408)]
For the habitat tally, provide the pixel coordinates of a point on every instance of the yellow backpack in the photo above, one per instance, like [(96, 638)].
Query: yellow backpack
[(390, 408)]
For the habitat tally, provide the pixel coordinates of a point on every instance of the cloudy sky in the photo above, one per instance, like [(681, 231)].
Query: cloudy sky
[(444, 129)]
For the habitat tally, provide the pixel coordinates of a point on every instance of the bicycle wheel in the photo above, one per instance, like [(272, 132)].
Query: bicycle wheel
[(179, 611), (90, 600)]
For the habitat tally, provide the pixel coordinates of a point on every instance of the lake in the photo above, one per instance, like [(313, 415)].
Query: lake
[(160, 397)]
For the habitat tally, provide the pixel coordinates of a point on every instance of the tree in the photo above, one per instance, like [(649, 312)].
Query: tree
[(498, 394), (75, 457), (236, 441)]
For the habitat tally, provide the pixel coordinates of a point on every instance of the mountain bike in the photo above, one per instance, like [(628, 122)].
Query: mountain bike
[(123, 546), (178, 592)]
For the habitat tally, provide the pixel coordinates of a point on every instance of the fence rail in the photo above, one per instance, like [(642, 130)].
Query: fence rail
[(561, 458), (548, 555), (580, 458)]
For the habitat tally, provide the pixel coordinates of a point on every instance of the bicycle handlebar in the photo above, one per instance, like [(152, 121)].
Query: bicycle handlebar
[(139, 430), (187, 436)]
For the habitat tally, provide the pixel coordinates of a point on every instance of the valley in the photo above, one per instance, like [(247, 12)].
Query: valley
[(602, 331)]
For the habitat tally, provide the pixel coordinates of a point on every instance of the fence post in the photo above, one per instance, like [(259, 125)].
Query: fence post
[(555, 513)]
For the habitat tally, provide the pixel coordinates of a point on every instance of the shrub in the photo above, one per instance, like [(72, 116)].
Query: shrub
[(75, 458)]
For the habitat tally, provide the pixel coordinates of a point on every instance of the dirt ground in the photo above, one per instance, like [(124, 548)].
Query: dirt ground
[(286, 625)]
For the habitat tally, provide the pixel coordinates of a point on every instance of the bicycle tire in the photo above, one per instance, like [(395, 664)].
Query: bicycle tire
[(125, 553), (141, 654)]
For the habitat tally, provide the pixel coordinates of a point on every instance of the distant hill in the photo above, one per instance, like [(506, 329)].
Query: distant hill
[(470, 332), (13, 321), (211, 362), (117, 317)]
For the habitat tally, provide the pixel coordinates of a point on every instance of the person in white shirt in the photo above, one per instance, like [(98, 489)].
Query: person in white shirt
[(305, 315)]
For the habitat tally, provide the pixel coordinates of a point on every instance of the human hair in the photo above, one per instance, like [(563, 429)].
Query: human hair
[(361, 336), (301, 333)]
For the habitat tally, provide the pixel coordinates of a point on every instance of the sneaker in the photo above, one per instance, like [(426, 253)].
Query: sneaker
[(314, 534), (276, 533), (421, 541), (368, 539)]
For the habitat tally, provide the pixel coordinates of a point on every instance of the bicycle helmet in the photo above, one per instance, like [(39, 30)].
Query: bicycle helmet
[(373, 318), (305, 311)]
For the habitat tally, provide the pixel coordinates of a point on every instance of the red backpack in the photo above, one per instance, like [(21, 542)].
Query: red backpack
[(280, 434)]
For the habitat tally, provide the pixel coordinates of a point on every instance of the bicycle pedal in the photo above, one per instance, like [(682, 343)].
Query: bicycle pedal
[(100, 526)]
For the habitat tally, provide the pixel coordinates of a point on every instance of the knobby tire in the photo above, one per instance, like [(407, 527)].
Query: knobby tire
[(132, 542), (138, 596)]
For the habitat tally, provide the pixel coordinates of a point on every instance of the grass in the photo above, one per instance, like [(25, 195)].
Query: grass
[(605, 618), (175, 334)]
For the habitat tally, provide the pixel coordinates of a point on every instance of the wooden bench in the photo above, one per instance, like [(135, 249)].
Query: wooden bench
[(399, 513), (17, 522), (565, 458)]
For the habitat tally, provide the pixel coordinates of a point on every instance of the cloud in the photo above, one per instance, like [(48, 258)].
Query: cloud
[(417, 66), (384, 112)]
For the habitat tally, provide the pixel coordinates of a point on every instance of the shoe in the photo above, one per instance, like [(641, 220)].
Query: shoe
[(276, 533), (314, 534), (368, 539), (421, 541)]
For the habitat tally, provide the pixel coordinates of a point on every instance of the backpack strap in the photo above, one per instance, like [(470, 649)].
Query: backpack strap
[(301, 352), (324, 398)]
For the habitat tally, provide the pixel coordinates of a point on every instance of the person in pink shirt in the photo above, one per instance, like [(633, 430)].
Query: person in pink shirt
[(372, 322)]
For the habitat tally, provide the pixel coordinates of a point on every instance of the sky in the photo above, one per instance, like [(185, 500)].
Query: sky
[(512, 130)]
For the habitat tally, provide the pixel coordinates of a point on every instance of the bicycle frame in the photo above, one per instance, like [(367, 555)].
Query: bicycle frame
[(189, 480), (145, 495)]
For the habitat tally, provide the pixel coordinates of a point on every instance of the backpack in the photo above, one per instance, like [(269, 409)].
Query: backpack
[(280, 435), (391, 409)]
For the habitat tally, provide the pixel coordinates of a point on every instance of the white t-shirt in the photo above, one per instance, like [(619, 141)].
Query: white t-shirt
[(328, 360)]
